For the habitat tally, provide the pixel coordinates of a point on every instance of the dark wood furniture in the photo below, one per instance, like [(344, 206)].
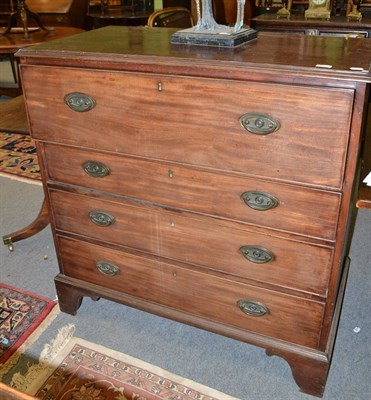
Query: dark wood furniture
[(225, 11), (51, 13), (61, 12), (21, 17), (177, 3), (336, 26), (212, 186), (12, 42), (135, 18), (119, 12), (365, 8), (37, 225)]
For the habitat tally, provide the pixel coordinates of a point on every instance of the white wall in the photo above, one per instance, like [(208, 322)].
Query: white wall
[(158, 4)]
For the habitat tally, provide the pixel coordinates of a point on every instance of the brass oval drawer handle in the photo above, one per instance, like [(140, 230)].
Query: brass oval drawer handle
[(259, 200), (101, 218), (252, 308), (79, 102), (257, 254), (96, 169), (107, 268), (259, 124)]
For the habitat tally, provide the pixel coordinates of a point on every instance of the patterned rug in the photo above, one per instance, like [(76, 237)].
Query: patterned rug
[(22, 318), (84, 370), (18, 156)]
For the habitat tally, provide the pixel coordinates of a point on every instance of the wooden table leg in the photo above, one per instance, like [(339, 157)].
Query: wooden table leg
[(41, 221)]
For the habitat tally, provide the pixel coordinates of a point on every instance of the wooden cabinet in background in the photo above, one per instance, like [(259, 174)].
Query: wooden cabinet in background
[(61, 12), (177, 3), (336, 26), (119, 12), (210, 186)]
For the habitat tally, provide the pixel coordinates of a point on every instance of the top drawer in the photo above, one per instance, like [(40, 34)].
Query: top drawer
[(197, 121)]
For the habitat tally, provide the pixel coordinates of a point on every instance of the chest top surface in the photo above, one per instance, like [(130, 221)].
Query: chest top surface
[(322, 56)]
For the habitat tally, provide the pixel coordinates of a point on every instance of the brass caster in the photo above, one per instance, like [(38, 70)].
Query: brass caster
[(8, 242)]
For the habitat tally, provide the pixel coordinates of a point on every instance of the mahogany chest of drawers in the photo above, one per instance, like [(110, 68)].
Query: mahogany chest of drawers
[(210, 186)]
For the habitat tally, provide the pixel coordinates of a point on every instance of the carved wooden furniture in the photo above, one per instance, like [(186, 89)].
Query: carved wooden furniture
[(336, 26), (210, 186)]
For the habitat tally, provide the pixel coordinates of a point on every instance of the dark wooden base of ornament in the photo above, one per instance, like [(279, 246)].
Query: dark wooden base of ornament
[(217, 39)]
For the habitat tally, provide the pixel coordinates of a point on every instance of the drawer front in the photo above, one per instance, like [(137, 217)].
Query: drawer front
[(286, 318), (223, 246), (304, 211), (197, 121)]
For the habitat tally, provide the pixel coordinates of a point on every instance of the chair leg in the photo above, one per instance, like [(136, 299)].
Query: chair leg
[(41, 221), (13, 64)]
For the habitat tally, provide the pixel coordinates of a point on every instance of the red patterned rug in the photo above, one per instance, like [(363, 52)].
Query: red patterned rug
[(18, 156), (84, 370), (21, 314)]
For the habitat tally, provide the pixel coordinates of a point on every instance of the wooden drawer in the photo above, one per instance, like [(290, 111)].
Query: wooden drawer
[(300, 210), (194, 292), (198, 240), (198, 119)]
